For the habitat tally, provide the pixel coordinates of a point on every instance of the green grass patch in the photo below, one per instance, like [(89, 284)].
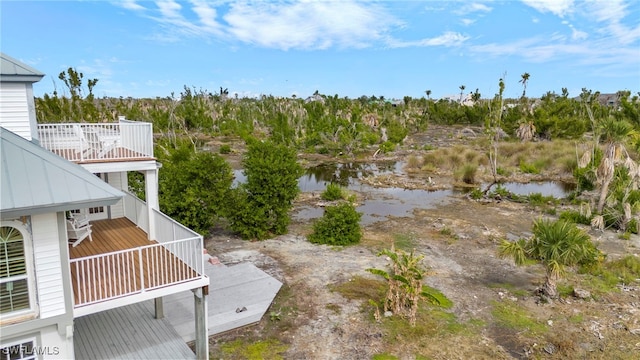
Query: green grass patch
[(575, 216), (361, 288), (384, 356), (606, 277), (511, 315), (510, 288), (404, 242), (528, 168), (576, 319), (262, 349)]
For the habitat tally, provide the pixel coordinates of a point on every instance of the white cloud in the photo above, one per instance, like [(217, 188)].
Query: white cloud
[(577, 34), (556, 7), (613, 13), (468, 8), (308, 25), (129, 5), (467, 22), (447, 39)]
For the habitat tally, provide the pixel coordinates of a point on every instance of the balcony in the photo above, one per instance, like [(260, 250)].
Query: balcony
[(121, 266), (105, 142)]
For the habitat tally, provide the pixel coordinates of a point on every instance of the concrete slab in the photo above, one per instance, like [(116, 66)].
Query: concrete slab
[(239, 295)]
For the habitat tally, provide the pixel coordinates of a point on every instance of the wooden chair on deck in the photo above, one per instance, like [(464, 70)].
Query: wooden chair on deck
[(78, 229)]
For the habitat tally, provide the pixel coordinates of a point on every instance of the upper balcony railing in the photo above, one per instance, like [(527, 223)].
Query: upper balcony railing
[(81, 142)]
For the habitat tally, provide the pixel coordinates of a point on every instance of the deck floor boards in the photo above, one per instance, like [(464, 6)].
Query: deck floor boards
[(129, 332), (121, 275)]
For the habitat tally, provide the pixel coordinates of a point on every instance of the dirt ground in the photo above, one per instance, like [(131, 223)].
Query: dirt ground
[(459, 241)]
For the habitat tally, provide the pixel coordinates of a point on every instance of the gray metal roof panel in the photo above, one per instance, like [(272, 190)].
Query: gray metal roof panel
[(34, 180), (15, 70)]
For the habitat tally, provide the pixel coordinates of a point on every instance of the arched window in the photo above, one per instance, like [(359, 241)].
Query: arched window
[(14, 271)]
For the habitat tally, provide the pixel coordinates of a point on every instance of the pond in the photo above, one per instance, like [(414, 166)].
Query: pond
[(379, 203)]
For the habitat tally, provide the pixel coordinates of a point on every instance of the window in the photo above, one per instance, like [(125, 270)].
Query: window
[(20, 351), (14, 277)]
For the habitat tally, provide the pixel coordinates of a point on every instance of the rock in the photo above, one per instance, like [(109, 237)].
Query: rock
[(388, 314), (549, 348), (581, 294)]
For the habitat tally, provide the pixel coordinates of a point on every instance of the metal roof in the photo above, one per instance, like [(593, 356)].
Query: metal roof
[(12, 70), (36, 181)]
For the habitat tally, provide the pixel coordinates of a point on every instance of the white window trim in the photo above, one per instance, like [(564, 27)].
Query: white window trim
[(32, 311), (33, 355)]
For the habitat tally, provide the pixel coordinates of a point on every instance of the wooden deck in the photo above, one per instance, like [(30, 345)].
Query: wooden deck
[(129, 332), (133, 267), (111, 235)]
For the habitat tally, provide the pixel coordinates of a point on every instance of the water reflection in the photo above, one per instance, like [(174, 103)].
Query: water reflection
[(382, 202)]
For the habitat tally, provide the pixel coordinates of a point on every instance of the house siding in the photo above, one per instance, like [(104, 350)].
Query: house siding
[(116, 180), (15, 112), (47, 258)]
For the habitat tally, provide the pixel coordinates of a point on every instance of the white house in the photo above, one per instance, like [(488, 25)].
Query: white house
[(127, 252)]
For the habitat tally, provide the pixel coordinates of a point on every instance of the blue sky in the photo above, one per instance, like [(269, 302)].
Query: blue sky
[(349, 48)]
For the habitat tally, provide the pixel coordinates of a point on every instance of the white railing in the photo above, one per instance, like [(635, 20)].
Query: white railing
[(82, 142), (177, 257), (127, 272), (168, 230), (136, 211)]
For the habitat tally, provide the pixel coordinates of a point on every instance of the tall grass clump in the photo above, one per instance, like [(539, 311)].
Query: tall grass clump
[(467, 173)]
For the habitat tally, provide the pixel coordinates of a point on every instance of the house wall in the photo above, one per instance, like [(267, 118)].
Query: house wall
[(119, 181), (52, 329), (48, 343), (47, 264), (15, 109)]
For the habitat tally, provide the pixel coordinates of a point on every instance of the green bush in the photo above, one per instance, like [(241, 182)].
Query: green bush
[(340, 225), (387, 146), (260, 207), (191, 185), (225, 149), (332, 192)]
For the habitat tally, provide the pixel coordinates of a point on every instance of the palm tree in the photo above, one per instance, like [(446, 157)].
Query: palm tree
[(428, 92), (614, 133), (462, 87), (556, 245), (523, 81)]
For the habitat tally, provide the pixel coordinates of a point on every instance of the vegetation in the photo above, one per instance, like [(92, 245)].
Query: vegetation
[(556, 245), (333, 192), (339, 225), (260, 207), (192, 185), (404, 285)]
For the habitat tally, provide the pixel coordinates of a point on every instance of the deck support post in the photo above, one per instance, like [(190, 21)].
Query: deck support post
[(159, 308), (201, 320), (151, 193)]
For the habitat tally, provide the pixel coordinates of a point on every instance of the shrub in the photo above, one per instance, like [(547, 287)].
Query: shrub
[(225, 149), (260, 207), (340, 225), (191, 186), (387, 146), (332, 192)]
